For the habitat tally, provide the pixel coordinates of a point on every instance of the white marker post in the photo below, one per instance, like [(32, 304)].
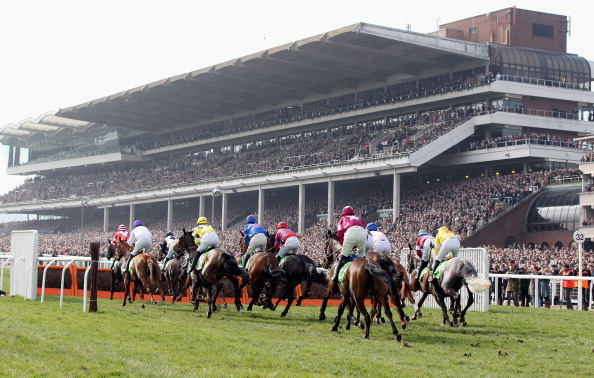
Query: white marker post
[(579, 237)]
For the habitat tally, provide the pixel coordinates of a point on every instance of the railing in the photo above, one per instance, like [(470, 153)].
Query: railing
[(545, 82), (554, 280)]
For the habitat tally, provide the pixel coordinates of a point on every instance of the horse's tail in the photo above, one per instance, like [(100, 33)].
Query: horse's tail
[(473, 282), (154, 271), (318, 277), (385, 277), (230, 265)]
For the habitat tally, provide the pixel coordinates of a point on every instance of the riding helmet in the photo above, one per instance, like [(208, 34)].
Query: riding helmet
[(372, 226), (250, 219), (202, 220), (347, 210), (282, 225), (169, 233), (122, 228), (423, 232), (138, 223)]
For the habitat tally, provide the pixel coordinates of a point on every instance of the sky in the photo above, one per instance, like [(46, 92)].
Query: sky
[(57, 54)]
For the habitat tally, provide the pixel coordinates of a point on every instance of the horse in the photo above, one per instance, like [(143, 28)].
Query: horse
[(363, 277), (299, 268), (218, 264), (264, 272), (455, 273), (145, 273), (175, 272), (116, 269)]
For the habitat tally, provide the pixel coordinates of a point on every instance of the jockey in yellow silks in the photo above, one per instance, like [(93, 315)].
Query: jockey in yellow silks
[(446, 243), (205, 236)]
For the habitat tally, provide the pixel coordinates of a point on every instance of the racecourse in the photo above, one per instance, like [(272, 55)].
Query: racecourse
[(171, 340)]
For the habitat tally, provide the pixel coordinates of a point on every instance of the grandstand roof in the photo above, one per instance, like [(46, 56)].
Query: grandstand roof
[(355, 56), (48, 124)]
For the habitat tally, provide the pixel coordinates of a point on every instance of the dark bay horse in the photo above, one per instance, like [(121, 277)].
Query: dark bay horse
[(299, 268), (455, 273), (175, 272), (116, 269), (217, 265), (145, 273), (362, 278), (264, 272)]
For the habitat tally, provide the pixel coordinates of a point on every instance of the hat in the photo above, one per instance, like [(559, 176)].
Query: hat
[(122, 228)]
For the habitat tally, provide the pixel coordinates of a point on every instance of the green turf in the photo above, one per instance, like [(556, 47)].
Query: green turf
[(170, 340)]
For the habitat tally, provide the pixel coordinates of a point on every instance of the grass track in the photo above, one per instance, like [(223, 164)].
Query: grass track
[(170, 340)]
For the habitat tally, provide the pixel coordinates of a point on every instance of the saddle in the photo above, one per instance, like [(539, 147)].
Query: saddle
[(346, 266)]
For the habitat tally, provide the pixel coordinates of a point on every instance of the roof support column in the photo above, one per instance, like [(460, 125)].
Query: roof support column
[(105, 219), (301, 210), (224, 211), (396, 196), (132, 215), (169, 215), (330, 218), (261, 194), (201, 209)]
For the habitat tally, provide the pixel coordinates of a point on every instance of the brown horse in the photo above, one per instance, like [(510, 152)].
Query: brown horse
[(264, 273), (144, 272), (217, 265), (116, 269), (175, 273), (362, 278), (456, 272)]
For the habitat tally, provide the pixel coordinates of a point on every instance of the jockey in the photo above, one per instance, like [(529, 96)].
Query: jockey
[(205, 237), (141, 239), (351, 233), (167, 246), (423, 249), (121, 235), (286, 242), (446, 242), (381, 244), (255, 238)]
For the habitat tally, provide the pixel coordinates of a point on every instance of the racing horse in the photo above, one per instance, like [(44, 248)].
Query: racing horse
[(144, 272), (174, 272), (264, 272), (116, 269), (216, 265), (363, 277), (299, 268), (331, 251), (455, 273)]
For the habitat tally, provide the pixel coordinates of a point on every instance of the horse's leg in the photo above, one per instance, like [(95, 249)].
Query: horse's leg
[(418, 313), (386, 305), (376, 311), (454, 304), (236, 291), (113, 283), (213, 293), (270, 291), (440, 299), (341, 307), (290, 290), (468, 304), (307, 291), (359, 302), (329, 292), (126, 288), (256, 290)]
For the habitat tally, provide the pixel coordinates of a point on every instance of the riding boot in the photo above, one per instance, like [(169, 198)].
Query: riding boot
[(128, 263), (193, 262), (435, 265), (165, 261), (341, 261), (278, 258), (422, 266)]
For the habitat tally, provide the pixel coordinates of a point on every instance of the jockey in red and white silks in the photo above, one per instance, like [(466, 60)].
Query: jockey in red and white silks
[(286, 241), (351, 233), (380, 242), (423, 248), (121, 235)]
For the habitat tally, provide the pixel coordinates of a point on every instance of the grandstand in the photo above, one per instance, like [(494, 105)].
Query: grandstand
[(412, 130)]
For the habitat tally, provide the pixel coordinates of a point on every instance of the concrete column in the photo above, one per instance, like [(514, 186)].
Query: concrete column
[(396, 196), (224, 212), (132, 215), (261, 206), (169, 215), (201, 211), (330, 219), (106, 219), (525, 167), (301, 204)]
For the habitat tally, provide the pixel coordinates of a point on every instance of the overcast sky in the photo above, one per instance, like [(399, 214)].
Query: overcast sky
[(57, 54)]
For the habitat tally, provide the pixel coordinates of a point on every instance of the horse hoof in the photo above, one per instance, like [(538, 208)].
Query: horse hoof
[(403, 326), (282, 315), (455, 324), (226, 305), (322, 317), (464, 324), (421, 315), (382, 321), (249, 309), (155, 303), (361, 325), (406, 319), (239, 308), (334, 329), (399, 338)]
